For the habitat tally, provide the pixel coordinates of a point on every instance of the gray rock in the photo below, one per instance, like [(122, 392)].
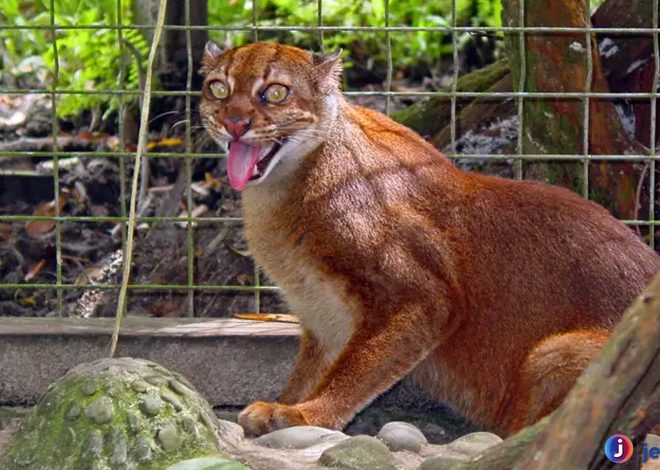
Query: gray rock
[(442, 462), (142, 450), (180, 388), (208, 463), (297, 437), (100, 410), (230, 433), (89, 387), (133, 421), (171, 399), (139, 386), (359, 453), (169, 437), (475, 443), (150, 405), (227, 415), (118, 447), (156, 380), (398, 435), (460, 450), (117, 426), (73, 412)]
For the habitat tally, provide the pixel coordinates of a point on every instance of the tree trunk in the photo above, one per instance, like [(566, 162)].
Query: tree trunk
[(619, 393), (558, 62), (628, 59)]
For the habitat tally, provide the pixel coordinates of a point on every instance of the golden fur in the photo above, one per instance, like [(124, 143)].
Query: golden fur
[(493, 293)]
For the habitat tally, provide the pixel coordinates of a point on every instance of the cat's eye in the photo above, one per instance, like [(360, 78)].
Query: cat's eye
[(276, 93), (218, 90)]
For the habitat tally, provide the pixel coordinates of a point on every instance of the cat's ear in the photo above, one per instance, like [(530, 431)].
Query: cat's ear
[(327, 71), (211, 52)]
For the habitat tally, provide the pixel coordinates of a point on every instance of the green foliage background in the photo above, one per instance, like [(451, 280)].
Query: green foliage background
[(92, 59), (409, 49), (89, 59)]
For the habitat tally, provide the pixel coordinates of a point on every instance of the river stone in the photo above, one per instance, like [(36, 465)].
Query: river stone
[(296, 437), (460, 450), (142, 450), (398, 435), (475, 443), (118, 447), (359, 453), (208, 463), (169, 437), (100, 410), (73, 412), (112, 431), (441, 462), (139, 386), (171, 399), (150, 405)]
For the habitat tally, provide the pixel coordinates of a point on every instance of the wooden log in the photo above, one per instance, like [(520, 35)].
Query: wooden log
[(431, 116)]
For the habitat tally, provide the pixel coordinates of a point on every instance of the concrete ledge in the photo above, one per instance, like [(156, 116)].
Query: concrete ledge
[(231, 362)]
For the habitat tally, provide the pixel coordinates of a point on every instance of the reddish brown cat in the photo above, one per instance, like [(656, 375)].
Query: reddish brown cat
[(493, 293)]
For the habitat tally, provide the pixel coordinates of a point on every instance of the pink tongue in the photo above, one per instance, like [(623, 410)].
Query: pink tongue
[(240, 164)]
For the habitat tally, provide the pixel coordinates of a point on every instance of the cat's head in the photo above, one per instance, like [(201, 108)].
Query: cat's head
[(271, 103)]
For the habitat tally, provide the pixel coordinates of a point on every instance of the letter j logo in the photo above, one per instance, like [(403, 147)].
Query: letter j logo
[(618, 448)]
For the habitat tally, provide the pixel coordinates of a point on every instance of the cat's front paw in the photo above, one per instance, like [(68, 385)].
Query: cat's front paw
[(261, 418)]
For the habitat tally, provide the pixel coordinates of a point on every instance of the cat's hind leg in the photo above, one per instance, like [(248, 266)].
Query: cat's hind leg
[(550, 371)]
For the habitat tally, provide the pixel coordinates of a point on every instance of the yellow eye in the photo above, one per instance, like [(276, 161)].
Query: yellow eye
[(276, 93), (218, 89)]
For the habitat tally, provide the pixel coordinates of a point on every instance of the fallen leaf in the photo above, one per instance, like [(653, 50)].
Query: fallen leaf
[(95, 137), (40, 228), (212, 182), (29, 301), (166, 142), (270, 317), (32, 273)]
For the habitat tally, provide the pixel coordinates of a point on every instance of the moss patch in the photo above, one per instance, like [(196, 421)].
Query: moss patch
[(115, 414)]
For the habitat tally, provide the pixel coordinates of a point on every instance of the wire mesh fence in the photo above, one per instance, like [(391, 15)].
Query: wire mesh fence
[(188, 223)]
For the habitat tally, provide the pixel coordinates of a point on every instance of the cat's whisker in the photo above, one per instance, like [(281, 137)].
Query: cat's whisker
[(178, 123), (166, 113)]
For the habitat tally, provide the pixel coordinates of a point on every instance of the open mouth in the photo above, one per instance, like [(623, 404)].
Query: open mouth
[(247, 162), (263, 162)]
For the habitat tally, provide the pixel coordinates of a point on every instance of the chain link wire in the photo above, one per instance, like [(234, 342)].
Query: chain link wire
[(519, 94)]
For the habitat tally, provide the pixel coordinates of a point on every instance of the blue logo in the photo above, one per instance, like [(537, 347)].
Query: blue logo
[(619, 448)]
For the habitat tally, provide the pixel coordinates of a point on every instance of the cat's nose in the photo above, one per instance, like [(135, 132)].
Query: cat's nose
[(237, 125)]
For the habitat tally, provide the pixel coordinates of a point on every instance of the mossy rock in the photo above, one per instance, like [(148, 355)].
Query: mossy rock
[(115, 414)]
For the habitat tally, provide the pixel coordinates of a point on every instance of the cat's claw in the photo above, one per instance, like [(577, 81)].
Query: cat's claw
[(261, 417)]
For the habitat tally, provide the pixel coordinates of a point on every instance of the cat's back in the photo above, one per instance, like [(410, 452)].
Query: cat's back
[(551, 249)]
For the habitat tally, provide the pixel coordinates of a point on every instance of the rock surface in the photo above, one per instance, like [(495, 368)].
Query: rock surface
[(299, 437), (115, 414), (208, 463), (398, 435), (134, 414), (359, 453)]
